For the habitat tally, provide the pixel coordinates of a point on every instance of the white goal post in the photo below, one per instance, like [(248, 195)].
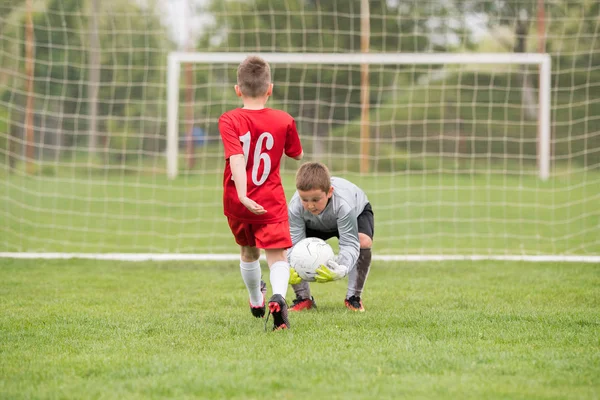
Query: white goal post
[(543, 60)]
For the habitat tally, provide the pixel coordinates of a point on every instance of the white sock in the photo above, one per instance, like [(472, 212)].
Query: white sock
[(280, 277), (251, 275)]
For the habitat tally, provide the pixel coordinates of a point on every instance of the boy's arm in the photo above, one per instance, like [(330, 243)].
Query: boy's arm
[(348, 242), (348, 254), (297, 223), (293, 147), (297, 232), (237, 163)]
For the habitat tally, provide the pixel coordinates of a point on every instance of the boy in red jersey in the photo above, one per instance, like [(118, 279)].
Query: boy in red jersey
[(255, 139)]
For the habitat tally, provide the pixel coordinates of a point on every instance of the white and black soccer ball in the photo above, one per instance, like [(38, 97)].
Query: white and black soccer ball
[(308, 254)]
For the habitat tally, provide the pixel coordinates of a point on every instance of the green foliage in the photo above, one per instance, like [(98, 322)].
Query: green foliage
[(6, 8), (59, 58), (133, 45), (568, 24), (327, 26), (334, 26), (133, 61), (577, 45), (472, 121), (132, 80), (319, 26)]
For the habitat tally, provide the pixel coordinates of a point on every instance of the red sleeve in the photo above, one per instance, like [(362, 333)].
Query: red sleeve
[(293, 147), (230, 137)]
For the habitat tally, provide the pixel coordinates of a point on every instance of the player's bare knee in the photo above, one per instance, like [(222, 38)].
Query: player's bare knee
[(365, 241), (249, 254), (275, 255)]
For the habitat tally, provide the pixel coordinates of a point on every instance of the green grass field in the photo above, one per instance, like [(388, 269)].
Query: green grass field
[(416, 213), (87, 329), (446, 330)]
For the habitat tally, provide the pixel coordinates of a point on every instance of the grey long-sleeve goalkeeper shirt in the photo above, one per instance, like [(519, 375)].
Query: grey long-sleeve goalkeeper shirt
[(340, 214)]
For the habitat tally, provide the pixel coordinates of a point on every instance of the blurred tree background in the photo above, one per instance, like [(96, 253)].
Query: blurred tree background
[(100, 75)]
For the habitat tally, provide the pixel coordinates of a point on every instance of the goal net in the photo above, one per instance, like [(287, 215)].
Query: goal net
[(109, 145)]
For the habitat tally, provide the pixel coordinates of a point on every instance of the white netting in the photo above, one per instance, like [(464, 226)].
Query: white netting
[(452, 161)]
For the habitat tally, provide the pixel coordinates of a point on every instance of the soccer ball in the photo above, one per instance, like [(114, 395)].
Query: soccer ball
[(308, 254)]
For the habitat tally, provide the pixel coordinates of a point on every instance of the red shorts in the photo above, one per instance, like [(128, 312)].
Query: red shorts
[(263, 236)]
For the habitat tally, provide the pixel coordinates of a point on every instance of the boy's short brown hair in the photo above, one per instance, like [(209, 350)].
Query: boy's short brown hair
[(254, 76), (313, 176)]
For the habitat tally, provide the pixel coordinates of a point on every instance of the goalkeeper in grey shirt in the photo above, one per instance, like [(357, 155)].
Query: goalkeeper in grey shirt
[(324, 207)]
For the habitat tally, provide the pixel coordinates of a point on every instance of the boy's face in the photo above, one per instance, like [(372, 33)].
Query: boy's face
[(315, 201)]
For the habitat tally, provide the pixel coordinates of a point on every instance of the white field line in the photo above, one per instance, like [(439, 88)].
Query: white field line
[(555, 258)]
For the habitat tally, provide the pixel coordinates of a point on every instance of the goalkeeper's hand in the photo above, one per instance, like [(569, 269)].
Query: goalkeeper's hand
[(294, 277), (331, 272)]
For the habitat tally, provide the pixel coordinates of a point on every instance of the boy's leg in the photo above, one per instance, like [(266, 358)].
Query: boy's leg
[(250, 265), (251, 274), (279, 270), (280, 276), (275, 239), (302, 290), (358, 276), (303, 300)]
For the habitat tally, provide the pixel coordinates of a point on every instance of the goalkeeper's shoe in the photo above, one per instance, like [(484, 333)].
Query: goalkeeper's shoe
[(259, 311), (354, 303), (278, 308), (303, 304)]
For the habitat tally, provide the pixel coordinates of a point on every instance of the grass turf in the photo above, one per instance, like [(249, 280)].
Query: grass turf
[(486, 330), (414, 214)]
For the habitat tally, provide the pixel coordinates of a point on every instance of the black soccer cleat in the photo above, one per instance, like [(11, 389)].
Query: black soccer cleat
[(259, 311), (354, 303), (278, 308)]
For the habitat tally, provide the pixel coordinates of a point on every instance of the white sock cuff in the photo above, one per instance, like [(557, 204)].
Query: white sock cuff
[(249, 266), (280, 264)]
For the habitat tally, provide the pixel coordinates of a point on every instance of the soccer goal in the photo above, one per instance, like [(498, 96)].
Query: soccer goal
[(449, 127), (396, 60), (463, 157)]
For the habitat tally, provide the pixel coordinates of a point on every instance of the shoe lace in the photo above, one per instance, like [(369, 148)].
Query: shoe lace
[(267, 319)]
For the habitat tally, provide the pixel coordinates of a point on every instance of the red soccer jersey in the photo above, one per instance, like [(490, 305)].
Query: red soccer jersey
[(262, 136)]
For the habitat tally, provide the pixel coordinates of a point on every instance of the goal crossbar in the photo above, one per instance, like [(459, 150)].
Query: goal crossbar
[(175, 60)]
